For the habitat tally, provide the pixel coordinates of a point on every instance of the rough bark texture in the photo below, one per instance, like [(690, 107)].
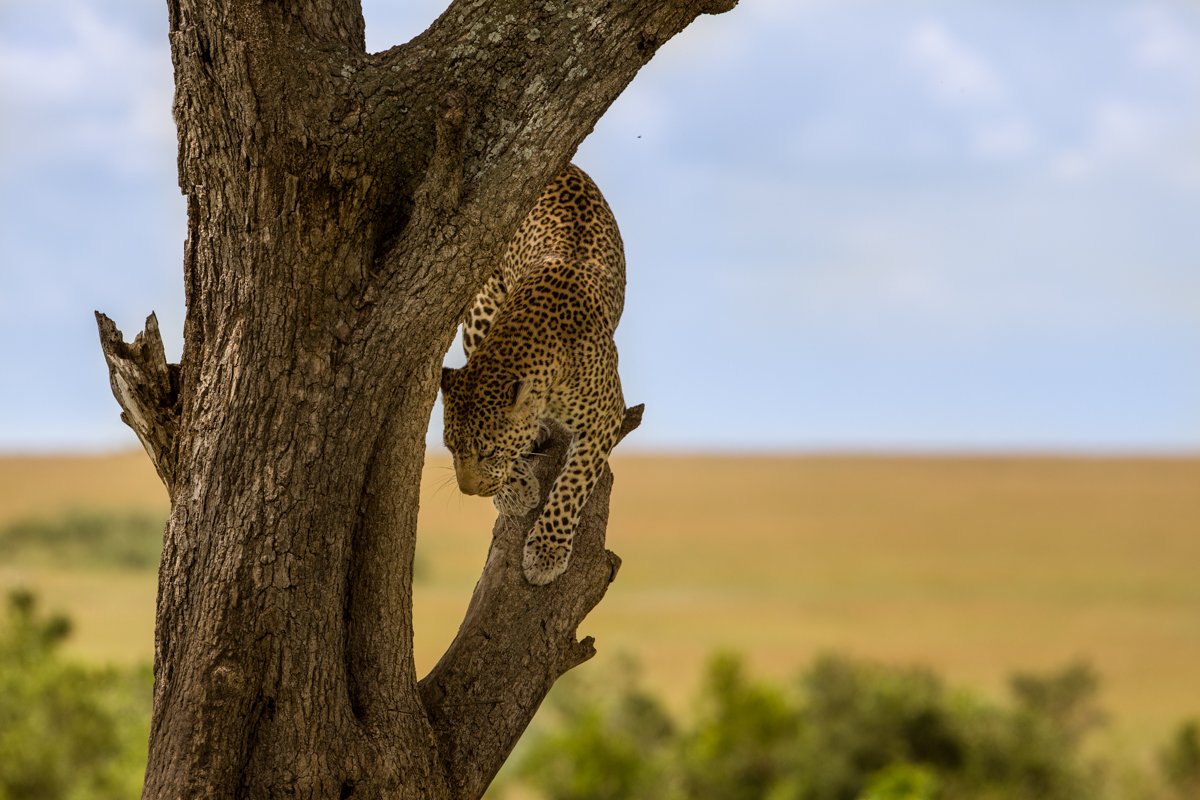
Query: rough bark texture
[(343, 208)]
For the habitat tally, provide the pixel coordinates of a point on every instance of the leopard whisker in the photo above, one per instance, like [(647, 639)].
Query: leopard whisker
[(443, 485)]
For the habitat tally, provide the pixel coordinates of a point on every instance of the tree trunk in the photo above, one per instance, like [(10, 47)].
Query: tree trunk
[(343, 209)]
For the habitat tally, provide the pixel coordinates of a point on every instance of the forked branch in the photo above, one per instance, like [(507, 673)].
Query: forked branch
[(490, 145)]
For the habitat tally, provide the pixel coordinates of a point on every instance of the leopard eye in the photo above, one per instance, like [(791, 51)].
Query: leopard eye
[(486, 453)]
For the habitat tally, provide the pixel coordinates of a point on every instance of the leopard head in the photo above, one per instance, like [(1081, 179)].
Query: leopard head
[(491, 420)]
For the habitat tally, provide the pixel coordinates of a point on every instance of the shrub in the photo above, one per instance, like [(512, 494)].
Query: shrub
[(606, 745), (902, 782), (861, 718), (740, 742), (848, 730), (1180, 760), (66, 730)]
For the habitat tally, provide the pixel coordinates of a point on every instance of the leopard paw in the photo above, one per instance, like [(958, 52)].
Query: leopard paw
[(543, 560), (519, 495)]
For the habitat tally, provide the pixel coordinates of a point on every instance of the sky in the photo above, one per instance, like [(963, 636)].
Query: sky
[(861, 225)]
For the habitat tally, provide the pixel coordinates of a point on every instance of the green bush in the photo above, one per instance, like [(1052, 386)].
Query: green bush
[(614, 748), (861, 718), (67, 732), (77, 538), (1181, 760), (847, 730), (902, 782), (739, 746)]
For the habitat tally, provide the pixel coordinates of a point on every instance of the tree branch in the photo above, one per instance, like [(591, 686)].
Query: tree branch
[(562, 66), (517, 639), (147, 389)]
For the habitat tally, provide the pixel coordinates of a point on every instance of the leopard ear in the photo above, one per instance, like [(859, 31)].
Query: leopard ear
[(449, 377)]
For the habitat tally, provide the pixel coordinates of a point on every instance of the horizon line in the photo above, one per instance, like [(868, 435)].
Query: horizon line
[(1098, 452)]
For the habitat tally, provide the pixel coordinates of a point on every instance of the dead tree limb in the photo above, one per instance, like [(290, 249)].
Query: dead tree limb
[(147, 389)]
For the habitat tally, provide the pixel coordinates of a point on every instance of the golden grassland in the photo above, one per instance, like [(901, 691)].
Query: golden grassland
[(975, 566)]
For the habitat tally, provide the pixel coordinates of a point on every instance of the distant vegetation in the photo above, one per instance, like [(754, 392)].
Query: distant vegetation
[(87, 539), (845, 730), (67, 731), (80, 538)]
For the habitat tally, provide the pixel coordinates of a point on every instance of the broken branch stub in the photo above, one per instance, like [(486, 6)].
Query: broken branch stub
[(147, 389)]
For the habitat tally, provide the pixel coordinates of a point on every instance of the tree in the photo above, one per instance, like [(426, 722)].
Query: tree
[(343, 208)]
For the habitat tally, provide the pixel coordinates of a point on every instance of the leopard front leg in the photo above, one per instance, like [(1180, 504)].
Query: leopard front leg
[(548, 546), (519, 494)]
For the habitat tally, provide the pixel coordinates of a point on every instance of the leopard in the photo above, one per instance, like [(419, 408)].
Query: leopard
[(539, 344)]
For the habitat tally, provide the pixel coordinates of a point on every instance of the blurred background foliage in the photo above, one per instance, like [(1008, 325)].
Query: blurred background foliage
[(85, 538), (82, 538), (844, 729), (68, 731)]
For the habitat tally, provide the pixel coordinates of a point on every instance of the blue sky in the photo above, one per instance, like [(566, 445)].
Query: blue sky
[(868, 224)]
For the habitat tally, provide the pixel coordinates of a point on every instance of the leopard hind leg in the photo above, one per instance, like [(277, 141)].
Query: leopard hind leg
[(483, 310)]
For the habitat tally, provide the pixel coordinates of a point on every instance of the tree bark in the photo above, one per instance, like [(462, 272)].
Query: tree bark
[(343, 208)]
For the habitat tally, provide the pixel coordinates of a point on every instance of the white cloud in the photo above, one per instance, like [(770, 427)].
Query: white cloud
[(98, 92), (992, 124), (1149, 129), (1005, 138), (1120, 133), (1160, 41), (954, 72)]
